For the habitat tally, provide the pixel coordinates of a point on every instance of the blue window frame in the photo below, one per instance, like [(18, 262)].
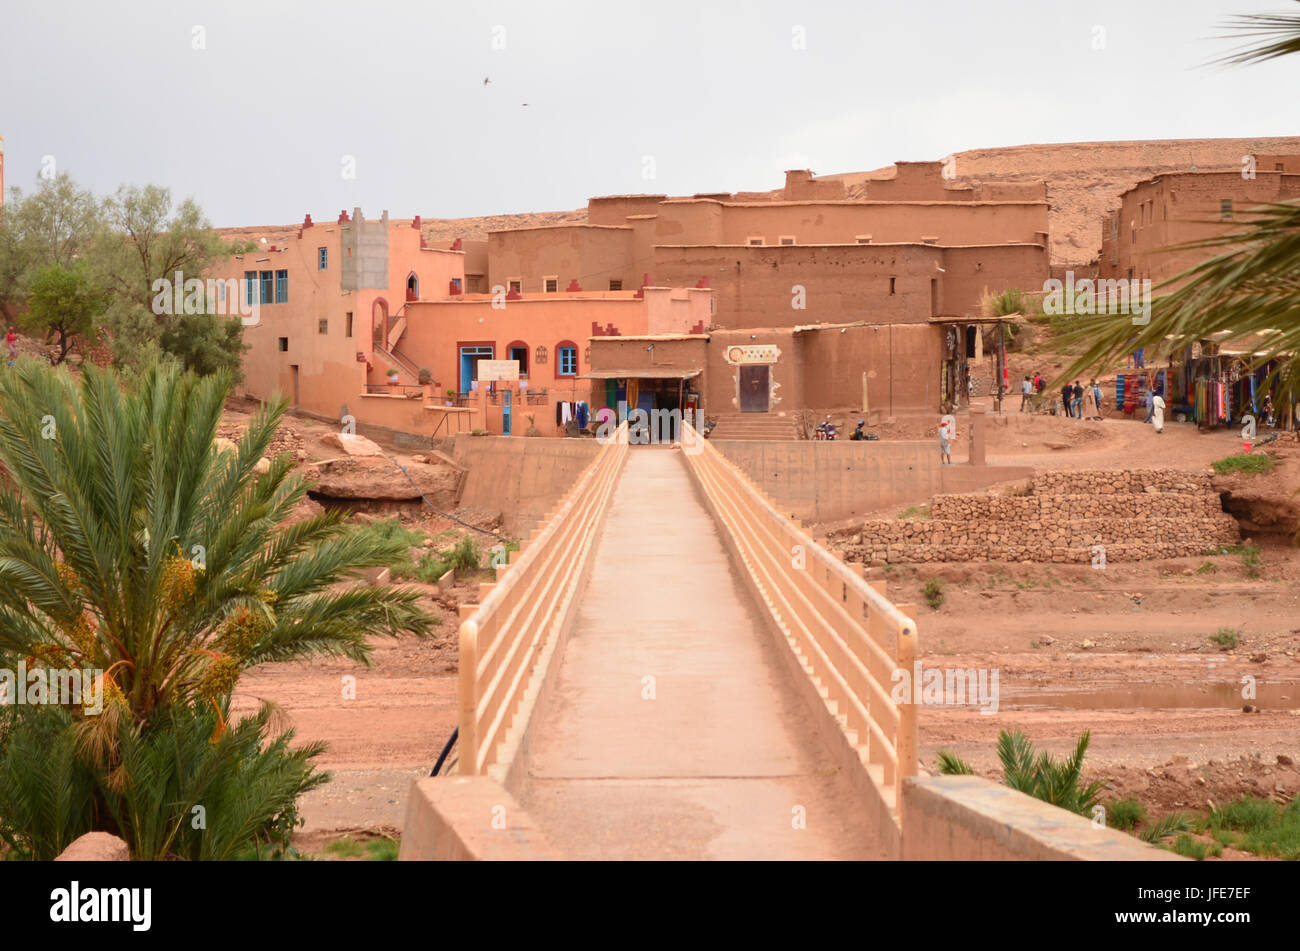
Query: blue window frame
[(250, 288), (568, 361), (282, 287), (323, 258), (268, 287)]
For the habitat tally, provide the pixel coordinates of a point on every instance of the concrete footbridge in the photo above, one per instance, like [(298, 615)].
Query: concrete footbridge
[(670, 668)]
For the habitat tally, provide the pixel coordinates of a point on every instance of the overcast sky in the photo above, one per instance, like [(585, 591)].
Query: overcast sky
[(259, 125)]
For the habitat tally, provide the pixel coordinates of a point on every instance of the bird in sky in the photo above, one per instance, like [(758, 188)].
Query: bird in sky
[(486, 80)]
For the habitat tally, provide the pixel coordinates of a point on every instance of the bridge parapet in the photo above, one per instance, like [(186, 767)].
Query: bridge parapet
[(508, 638), (845, 638)]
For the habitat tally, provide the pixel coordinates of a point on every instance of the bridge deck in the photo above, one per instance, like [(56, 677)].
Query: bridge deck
[(716, 763)]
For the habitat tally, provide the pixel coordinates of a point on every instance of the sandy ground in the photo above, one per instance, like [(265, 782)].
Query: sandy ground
[(1162, 702)]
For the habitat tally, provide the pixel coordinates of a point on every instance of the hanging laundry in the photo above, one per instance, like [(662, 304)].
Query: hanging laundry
[(566, 413), (581, 414)]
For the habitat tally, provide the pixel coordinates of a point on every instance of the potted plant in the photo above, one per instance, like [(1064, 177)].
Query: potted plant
[(392, 377), (426, 376), (451, 397)]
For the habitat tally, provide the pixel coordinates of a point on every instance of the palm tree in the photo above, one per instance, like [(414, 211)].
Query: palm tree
[(1249, 283), (129, 544)]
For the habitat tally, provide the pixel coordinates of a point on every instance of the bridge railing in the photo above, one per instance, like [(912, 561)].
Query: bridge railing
[(520, 615), (848, 637)]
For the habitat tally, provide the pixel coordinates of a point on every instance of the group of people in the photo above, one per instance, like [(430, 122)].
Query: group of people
[(1079, 402)]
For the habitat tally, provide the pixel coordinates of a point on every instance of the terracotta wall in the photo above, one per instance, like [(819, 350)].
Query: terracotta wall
[(902, 363), (592, 255), (1184, 207)]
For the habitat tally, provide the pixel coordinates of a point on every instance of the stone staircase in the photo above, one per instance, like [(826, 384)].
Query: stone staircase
[(752, 427)]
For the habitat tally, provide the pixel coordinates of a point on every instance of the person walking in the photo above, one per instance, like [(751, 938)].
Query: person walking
[(945, 458), (1096, 397), (1076, 397), (1158, 413), (1151, 406), (1026, 390), (1090, 401), (1067, 397)]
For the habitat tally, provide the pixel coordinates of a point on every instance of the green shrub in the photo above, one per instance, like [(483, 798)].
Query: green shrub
[(1126, 814), (1257, 464), (465, 555), (915, 511), (951, 765), (1245, 814), (1196, 849), (1040, 775), (934, 593), (1226, 637), (1166, 826)]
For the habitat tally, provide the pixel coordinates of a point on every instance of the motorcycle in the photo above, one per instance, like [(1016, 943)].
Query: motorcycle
[(826, 429)]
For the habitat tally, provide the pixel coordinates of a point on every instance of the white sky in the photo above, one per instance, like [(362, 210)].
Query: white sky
[(256, 126)]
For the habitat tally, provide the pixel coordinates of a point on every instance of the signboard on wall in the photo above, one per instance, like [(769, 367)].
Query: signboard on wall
[(752, 353), (496, 371)]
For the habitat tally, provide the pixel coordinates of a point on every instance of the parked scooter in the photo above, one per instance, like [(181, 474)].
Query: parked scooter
[(826, 429)]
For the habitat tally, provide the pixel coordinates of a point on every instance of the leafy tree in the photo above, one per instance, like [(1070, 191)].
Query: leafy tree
[(55, 225), (1250, 280), (205, 343), (62, 305)]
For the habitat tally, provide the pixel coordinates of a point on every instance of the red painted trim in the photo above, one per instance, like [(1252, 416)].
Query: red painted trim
[(577, 360), (505, 353)]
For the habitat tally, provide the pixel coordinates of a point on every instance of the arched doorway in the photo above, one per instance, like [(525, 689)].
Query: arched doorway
[(379, 323)]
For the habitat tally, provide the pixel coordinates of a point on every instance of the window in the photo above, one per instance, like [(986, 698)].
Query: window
[(550, 284), (891, 285), (863, 239), (568, 360), (250, 288), (519, 352), (615, 284), (284, 344), (268, 287), (929, 239), (322, 258), (323, 325), (347, 325), (515, 284), (1225, 208), (934, 297), (754, 241), (281, 287), (786, 239)]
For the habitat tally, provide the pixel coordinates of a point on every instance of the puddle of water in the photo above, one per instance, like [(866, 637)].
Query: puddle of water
[(1225, 696)]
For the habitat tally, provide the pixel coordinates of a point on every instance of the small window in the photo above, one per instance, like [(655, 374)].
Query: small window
[(250, 288), (284, 344), (323, 325), (615, 284), (754, 242), (568, 361), (281, 287), (863, 239), (550, 284), (929, 239), (891, 284), (786, 239), (323, 259), (1225, 208), (347, 325), (521, 355), (516, 285), (268, 287)]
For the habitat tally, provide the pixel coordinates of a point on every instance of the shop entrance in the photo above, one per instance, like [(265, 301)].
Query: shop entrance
[(754, 389)]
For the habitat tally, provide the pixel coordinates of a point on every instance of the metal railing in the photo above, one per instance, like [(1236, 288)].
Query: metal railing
[(409, 390), (506, 639), (846, 635)]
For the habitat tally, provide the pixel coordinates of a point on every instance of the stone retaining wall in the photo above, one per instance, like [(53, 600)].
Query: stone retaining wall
[(1134, 515)]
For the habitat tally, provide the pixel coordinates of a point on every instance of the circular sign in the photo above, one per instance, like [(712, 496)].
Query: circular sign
[(736, 354)]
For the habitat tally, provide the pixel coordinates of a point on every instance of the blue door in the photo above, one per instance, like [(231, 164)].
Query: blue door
[(505, 411)]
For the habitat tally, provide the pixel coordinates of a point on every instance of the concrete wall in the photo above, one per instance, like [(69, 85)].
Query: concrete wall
[(521, 478), (824, 481), (967, 818)]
